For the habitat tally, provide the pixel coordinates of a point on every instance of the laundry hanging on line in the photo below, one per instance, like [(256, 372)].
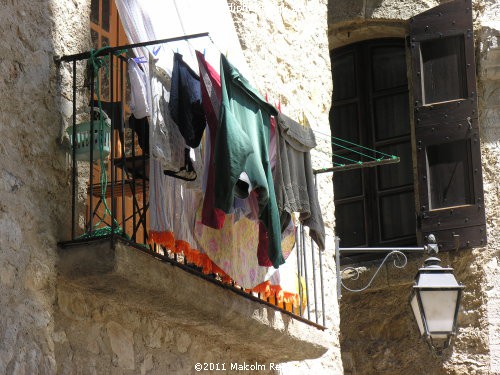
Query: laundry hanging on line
[(185, 102), (242, 146), (294, 183), (162, 101)]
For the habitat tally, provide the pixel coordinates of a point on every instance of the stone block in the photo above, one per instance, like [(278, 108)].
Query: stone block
[(122, 344), (183, 343), (345, 11), (495, 359), (147, 365), (7, 274), (395, 9)]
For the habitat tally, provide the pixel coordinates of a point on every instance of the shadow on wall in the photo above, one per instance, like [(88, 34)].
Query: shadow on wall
[(34, 199)]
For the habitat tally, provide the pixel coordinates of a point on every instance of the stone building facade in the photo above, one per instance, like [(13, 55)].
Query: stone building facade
[(378, 333), (58, 316), (56, 322)]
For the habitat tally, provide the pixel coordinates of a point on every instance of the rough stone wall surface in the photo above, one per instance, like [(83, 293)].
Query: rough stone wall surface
[(48, 327), (488, 48), (378, 332), (94, 335), (286, 47), (34, 179)]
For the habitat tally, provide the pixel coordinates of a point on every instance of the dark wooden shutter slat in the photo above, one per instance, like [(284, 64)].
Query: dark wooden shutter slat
[(447, 122), (451, 16)]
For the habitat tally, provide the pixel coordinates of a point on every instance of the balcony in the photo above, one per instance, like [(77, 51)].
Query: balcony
[(111, 252)]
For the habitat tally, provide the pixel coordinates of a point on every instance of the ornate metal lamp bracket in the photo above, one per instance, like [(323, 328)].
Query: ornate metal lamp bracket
[(397, 264), (400, 260)]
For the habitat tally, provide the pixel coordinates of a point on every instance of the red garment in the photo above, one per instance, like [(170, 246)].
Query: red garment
[(211, 94), (262, 256), (263, 237)]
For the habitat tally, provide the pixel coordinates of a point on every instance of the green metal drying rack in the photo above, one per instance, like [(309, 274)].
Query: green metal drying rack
[(378, 158)]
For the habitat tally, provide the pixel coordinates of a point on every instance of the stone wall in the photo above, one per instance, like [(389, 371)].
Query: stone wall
[(49, 327), (488, 48), (34, 175), (98, 335), (286, 47), (378, 332)]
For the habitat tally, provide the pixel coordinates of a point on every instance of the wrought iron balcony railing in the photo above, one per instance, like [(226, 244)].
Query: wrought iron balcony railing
[(110, 183)]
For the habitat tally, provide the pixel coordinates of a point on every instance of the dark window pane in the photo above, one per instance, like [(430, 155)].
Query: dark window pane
[(105, 14), (127, 91), (371, 105), (347, 184), (443, 66), (104, 41), (344, 79), (450, 178), (391, 116), (350, 224), (400, 174), (95, 39), (105, 79), (94, 11), (104, 89), (344, 123), (389, 67), (397, 215)]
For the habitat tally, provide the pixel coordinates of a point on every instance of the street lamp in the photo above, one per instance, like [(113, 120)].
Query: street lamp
[(436, 295), (435, 301)]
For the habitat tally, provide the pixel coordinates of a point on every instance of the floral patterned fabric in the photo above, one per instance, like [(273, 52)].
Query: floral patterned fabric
[(233, 248)]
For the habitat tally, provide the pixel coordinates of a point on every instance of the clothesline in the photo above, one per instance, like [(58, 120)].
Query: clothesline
[(343, 162), (86, 55)]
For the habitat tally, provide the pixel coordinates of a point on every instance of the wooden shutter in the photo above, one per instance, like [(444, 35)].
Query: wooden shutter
[(445, 126)]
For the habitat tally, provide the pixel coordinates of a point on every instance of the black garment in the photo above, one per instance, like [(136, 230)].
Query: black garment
[(113, 110), (141, 128), (185, 102), (186, 173)]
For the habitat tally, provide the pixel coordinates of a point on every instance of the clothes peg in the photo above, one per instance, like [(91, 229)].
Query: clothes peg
[(267, 98), (155, 51), (140, 60), (204, 52)]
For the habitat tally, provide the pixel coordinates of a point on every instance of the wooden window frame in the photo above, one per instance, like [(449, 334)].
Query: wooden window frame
[(435, 124), (365, 95)]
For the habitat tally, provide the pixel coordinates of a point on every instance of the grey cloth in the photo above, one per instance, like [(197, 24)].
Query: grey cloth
[(294, 180)]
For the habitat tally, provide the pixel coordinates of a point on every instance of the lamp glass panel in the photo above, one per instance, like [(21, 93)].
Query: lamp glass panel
[(416, 312), (439, 308)]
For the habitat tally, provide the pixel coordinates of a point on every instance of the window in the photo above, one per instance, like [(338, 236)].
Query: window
[(106, 30), (373, 206), (430, 122)]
